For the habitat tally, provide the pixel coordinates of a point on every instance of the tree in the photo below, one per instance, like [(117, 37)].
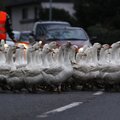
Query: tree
[(2, 5), (92, 12), (101, 18), (57, 15)]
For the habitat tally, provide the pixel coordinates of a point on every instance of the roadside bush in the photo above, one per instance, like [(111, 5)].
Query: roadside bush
[(103, 35)]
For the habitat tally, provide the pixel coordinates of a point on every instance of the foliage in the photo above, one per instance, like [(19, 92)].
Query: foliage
[(57, 15), (101, 17), (2, 6), (91, 12), (103, 35)]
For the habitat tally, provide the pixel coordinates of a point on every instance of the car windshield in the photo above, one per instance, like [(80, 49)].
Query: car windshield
[(66, 34), (43, 28), (16, 35)]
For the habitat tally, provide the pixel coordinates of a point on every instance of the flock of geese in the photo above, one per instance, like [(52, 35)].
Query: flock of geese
[(57, 68)]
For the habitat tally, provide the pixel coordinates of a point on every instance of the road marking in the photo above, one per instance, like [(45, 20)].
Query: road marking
[(98, 93), (59, 109), (74, 104)]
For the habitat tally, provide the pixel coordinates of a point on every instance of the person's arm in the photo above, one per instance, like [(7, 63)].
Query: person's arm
[(9, 29)]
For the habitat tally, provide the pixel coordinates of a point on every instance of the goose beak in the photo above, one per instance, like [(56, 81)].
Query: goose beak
[(58, 45), (17, 47)]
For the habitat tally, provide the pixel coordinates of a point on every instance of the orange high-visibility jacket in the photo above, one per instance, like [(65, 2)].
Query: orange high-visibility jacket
[(3, 18)]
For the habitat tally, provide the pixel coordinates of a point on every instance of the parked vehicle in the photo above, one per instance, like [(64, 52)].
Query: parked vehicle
[(40, 28), (75, 35), (9, 41), (24, 39)]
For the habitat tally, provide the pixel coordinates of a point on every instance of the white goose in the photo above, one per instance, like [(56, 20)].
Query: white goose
[(47, 54), (115, 52), (15, 80), (106, 60), (9, 57), (102, 54), (30, 64), (8, 64), (88, 70), (66, 69), (111, 71), (33, 76), (2, 56), (20, 57)]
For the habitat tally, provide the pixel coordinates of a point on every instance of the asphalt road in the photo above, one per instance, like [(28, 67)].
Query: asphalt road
[(65, 106)]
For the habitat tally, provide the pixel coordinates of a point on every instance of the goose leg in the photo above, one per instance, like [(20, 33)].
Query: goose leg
[(59, 88)]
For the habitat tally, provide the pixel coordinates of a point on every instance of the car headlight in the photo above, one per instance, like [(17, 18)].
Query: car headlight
[(80, 49), (25, 45), (5, 45)]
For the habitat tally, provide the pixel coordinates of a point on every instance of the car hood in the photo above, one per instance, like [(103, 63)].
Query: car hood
[(75, 42)]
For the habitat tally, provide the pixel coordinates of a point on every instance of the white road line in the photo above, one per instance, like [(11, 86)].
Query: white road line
[(98, 93), (59, 109)]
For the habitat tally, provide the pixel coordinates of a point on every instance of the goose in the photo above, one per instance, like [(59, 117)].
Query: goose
[(66, 69), (30, 53), (118, 53), (102, 53), (9, 58), (72, 53), (2, 56), (81, 55), (89, 58), (24, 77), (112, 80), (36, 54), (8, 62), (3, 70), (106, 60), (20, 57), (33, 80), (88, 70), (115, 52), (92, 54), (95, 55), (47, 53), (15, 80), (111, 70), (33, 76)]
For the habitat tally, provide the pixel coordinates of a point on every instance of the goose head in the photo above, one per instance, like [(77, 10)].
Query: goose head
[(106, 46), (97, 45), (68, 44), (52, 45), (115, 45)]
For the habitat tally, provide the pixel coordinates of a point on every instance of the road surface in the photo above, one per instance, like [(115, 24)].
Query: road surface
[(65, 106)]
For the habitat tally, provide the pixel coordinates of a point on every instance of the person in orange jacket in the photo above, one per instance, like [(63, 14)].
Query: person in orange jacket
[(5, 27)]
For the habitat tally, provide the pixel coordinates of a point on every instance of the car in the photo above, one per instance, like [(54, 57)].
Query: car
[(40, 28), (21, 37), (9, 41), (76, 35), (24, 39)]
